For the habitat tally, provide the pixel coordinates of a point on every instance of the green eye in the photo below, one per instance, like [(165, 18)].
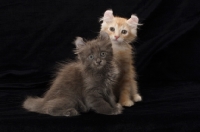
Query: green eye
[(123, 31), (112, 29), (103, 54), (90, 57)]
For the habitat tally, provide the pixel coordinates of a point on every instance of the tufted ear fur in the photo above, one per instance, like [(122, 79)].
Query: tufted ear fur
[(105, 39), (104, 36), (79, 42), (108, 16), (133, 21)]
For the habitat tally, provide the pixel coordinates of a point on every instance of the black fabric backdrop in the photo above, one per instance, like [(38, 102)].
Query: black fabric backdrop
[(35, 35)]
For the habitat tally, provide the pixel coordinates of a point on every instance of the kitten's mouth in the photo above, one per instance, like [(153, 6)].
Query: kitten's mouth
[(99, 66), (116, 40)]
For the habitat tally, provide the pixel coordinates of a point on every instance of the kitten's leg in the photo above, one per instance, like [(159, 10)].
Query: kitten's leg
[(82, 107), (60, 107), (135, 94), (113, 103), (97, 103), (125, 90), (103, 107), (129, 88)]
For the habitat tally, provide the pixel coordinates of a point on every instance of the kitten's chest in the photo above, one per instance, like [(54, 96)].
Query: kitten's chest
[(123, 58), (102, 80), (122, 52)]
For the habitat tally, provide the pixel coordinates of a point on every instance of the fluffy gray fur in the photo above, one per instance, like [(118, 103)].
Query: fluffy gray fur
[(82, 85)]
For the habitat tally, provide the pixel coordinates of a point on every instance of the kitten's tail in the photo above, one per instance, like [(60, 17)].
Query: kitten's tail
[(34, 104)]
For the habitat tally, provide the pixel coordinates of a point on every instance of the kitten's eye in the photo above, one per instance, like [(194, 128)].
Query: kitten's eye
[(103, 54), (90, 57), (123, 31), (112, 29)]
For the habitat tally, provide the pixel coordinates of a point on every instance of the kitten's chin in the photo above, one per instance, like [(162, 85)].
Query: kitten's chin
[(114, 41), (99, 67), (117, 43)]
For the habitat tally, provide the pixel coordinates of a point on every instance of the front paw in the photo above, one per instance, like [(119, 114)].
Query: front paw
[(127, 103), (137, 98), (118, 109)]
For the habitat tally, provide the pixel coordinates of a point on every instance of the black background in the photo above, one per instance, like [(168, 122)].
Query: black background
[(36, 35)]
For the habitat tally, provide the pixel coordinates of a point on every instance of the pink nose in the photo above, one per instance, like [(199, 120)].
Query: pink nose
[(116, 37)]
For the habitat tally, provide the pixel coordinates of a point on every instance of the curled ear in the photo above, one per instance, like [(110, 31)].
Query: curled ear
[(108, 16), (79, 42), (133, 21), (104, 36)]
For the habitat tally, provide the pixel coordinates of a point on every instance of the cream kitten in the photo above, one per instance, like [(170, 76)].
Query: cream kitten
[(122, 32)]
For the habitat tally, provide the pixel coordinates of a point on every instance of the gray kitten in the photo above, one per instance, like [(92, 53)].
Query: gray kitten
[(82, 85)]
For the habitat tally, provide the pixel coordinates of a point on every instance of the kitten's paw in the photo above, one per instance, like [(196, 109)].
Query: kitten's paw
[(71, 112), (119, 106), (83, 109), (127, 103), (137, 98), (118, 109)]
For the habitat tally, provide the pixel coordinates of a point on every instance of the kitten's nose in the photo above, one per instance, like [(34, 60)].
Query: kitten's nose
[(116, 37), (98, 61)]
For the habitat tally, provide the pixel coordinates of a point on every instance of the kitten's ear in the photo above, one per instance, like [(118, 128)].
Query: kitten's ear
[(79, 42), (108, 16), (133, 21), (104, 36)]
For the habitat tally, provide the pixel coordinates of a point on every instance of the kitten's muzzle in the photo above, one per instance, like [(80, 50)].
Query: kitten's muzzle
[(98, 61), (116, 37)]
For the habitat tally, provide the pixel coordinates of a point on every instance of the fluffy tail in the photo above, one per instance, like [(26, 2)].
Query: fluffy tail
[(34, 104)]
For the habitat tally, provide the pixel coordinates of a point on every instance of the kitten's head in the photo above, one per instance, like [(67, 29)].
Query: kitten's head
[(95, 54), (119, 29)]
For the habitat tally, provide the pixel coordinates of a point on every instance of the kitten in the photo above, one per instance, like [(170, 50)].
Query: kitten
[(122, 32), (83, 84)]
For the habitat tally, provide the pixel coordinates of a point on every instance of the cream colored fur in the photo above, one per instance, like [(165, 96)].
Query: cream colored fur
[(125, 32)]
